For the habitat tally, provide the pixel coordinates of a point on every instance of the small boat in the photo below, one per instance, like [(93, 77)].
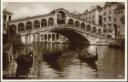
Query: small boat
[(24, 63), (88, 57)]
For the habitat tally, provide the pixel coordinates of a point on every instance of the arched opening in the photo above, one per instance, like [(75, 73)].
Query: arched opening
[(50, 21), (21, 27), (45, 37), (61, 17), (43, 22), (88, 28), (49, 37), (70, 22), (36, 24), (28, 25), (99, 31), (94, 29), (77, 23), (53, 37), (57, 36), (83, 26)]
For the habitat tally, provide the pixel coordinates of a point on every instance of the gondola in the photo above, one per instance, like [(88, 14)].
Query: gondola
[(88, 57), (24, 63)]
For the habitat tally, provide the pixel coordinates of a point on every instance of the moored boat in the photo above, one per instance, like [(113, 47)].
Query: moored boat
[(88, 57)]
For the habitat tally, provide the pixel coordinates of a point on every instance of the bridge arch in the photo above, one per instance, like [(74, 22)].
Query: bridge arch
[(73, 35), (77, 23), (61, 17), (28, 25), (36, 24), (21, 27), (70, 22), (88, 28), (50, 21), (43, 22), (83, 26)]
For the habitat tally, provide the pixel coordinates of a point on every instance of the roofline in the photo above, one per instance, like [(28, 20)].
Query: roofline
[(27, 18)]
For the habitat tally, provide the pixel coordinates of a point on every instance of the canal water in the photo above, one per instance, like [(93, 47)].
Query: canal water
[(61, 61)]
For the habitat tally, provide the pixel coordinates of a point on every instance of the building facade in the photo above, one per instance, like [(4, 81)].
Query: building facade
[(120, 21), (111, 19), (93, 15), (7, 17), (110, 16)]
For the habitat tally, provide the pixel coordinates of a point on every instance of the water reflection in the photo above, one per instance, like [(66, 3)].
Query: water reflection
[(62, 61), (52, 59)]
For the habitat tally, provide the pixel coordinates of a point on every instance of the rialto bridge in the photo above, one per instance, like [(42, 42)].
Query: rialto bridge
[(60, 21)]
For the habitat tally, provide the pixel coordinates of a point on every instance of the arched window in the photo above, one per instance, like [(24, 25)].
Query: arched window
[(70, 22), (43, 22), (28, 25), (36, 24), (50, 21), (88, 28), (94, 29), (61, 17), (99, 31), (77, 23), (82, 25), (21, 27)]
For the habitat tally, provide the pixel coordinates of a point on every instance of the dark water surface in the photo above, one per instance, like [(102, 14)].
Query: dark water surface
[(61, 61)]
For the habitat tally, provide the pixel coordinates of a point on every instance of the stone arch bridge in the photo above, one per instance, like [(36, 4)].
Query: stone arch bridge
[(60, 21)]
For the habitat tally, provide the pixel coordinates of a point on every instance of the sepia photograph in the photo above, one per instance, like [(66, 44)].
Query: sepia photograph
[(63, 40)]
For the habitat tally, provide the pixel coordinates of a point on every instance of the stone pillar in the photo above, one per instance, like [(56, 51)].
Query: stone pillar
[(54, 37), (16, 28), (26, 39), (42, 38), (59, 38), (47, 38), (51, 37), (67, 19), (47, 24), (55, 19)]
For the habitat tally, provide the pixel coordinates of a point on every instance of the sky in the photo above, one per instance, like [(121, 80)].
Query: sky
[(28, 9)]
